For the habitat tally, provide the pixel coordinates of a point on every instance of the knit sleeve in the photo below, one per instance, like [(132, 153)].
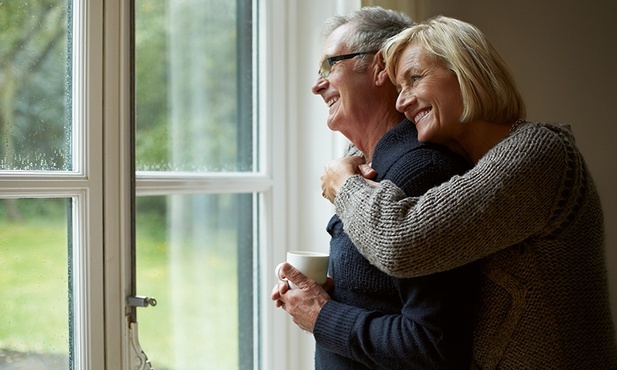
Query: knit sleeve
[(509, 196)]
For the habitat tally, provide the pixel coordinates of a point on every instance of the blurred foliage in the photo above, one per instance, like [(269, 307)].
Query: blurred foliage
[(34, 209), (187, 86), (187, 78), (33, 85), (188, 116), (151, 78)]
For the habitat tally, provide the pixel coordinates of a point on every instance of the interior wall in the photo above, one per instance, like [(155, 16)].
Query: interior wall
[(311, 145), (563, 57)]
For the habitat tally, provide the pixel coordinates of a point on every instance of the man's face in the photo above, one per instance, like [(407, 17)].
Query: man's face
[(347, 92)]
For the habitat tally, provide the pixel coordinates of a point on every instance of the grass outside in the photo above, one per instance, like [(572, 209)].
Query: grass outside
[(34, 297), (194, 323)]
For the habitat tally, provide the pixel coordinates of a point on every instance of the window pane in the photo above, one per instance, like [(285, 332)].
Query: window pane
[(34, 81), (34, 297), (194, 255), (194, 85)]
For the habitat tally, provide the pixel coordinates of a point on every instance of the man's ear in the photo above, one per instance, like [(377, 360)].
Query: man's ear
[(380, 73)]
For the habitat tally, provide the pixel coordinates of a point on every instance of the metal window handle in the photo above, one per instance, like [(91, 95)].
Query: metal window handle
[(140, 301)]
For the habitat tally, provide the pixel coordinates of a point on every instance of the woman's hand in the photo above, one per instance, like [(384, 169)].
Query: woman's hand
[(337, 171), (304, 303)]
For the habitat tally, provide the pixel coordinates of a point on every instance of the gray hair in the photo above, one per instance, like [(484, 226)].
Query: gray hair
[(372, 26)]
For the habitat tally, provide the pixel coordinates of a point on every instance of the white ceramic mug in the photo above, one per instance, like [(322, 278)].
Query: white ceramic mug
[(313, 265)]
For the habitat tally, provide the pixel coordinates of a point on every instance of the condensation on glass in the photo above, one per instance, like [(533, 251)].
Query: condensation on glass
[(34, 280), (36, 324), (35, 83)]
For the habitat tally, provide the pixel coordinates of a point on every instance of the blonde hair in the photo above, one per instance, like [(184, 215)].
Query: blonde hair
[(487, 87)]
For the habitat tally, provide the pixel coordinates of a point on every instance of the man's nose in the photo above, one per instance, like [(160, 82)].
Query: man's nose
[(320, 84)]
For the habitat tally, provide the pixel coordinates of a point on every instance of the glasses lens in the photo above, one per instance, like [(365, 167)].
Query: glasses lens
[(324, 69)]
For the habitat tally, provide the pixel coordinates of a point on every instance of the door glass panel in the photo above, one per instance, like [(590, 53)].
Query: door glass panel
[(193, 86), (195, 256), (34, 284), (34, 81), (194, 113)]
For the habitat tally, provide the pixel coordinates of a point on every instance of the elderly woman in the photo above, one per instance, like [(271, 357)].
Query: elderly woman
[(528, 210)]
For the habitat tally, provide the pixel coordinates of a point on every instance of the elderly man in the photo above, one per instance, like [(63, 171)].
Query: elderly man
[(368, 319)]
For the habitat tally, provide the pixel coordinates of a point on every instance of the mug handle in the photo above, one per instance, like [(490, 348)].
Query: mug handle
[(277, 272)]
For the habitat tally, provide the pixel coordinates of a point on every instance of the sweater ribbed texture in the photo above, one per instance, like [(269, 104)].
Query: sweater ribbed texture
[(530, 213), (376, 321)]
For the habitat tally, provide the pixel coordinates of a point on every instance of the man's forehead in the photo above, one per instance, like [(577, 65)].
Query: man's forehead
[(336, 43)]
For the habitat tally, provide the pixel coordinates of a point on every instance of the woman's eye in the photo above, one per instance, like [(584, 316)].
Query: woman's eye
[(414, 78)]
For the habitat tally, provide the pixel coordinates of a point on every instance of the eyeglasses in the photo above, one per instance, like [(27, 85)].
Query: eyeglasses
[(326, 65)]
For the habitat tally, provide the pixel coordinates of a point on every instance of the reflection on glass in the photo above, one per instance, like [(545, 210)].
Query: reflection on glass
[(34, 85), (34, 297), (194, 255), (193, 86)]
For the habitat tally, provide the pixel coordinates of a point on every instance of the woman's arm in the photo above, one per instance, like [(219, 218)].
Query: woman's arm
[(508, 197)]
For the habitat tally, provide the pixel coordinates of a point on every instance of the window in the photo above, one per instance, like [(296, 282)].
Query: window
[(194, 207), (199, 182), (50, 288)]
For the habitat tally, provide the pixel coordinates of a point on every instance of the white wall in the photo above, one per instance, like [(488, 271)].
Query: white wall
[(310, 144)]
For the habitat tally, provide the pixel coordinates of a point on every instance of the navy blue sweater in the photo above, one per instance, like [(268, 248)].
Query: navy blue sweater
[(376, 321)]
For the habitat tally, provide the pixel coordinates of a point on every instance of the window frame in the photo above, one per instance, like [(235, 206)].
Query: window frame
[(103, 181), (83, 186)]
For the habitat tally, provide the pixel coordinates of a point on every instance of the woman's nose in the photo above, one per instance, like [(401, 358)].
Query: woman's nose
[(404, 101), (320, 84)]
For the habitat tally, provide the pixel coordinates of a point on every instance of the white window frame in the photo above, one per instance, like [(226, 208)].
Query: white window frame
[(101, 185), (83, 185), (115, 116), (295, 145)]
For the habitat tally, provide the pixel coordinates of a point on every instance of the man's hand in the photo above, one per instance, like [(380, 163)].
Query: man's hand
[(303, 303)]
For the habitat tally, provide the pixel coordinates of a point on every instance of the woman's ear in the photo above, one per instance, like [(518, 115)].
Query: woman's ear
[(380, 73)]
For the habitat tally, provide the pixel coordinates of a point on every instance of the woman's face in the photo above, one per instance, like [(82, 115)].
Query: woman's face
[(429, 96)]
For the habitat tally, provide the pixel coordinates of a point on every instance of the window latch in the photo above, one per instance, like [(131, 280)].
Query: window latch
[(140, 301)]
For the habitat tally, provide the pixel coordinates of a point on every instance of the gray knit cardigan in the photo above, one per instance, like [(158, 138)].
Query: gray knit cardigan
[(530, 212)]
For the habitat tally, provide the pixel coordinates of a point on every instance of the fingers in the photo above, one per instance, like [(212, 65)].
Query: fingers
[(353, 160), (337, 171), (294, 275), (278, 294), (279, 289), (367, 171)]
